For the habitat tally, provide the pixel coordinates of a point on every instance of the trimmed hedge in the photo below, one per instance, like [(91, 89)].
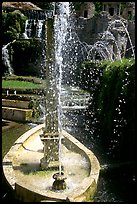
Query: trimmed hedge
[(112, 105)]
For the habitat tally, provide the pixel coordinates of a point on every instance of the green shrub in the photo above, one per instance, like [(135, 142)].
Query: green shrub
[(113, 106), (13, 24), (26, 57)]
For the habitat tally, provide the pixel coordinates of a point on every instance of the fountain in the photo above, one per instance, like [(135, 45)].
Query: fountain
[(23, 167), (38, 178), (6, 57), (59, 183), (113, 42), (50, 135)]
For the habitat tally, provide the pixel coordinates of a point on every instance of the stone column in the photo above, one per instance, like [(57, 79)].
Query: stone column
[(50, 136)]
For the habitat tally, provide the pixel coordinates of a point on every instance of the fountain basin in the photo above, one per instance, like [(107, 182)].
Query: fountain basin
[(21, 167)]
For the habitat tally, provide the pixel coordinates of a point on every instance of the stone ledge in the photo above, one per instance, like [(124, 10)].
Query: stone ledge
[(17, 114), (15, 103)]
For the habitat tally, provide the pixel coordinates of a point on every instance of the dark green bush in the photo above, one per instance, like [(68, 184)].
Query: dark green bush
[(13, 24), (26, 57), (89, 75), (113, 106)]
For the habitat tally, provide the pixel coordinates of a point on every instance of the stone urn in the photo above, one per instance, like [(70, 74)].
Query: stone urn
[(59, 183)]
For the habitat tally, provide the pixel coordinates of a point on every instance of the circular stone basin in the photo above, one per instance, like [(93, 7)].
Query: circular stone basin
[(21, 167)]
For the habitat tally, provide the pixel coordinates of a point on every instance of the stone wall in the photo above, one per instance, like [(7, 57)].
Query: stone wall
[(16, 114), (87, 10), (129, 11), (88, 30)]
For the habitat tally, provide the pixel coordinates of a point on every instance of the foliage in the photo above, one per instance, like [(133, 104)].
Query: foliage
[(13, 23), (89, 77), (122, 6), (32, 79), (26, 57), (10, 35), (18, 84), (113, 105), (44, 5), (77, 5), (98, 6)]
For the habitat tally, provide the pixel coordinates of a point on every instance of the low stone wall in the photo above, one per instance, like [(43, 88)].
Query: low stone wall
[(16, 114), (15, 103)]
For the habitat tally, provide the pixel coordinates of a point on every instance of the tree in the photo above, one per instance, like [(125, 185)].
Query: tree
[(44, 5), (13, 23), (98, 6)]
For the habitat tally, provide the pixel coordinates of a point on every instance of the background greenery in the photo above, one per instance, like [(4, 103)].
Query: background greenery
[(13, 24), (112, 104)]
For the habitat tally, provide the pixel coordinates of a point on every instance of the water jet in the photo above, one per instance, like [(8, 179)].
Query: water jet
[(31, 164)]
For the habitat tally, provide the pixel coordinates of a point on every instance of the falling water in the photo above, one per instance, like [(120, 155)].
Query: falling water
[(66, 39), (60, 26), (6, 57), (33, 28), (27, 31), (118, 21), (104, 48), (61, 23), (100, 48)]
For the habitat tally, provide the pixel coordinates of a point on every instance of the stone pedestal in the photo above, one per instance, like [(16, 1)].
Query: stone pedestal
[(59, 183), (51, 150), (50, 136)]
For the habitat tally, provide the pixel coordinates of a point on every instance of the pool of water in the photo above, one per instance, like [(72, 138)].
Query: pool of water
[(115, 185), (27, 170)]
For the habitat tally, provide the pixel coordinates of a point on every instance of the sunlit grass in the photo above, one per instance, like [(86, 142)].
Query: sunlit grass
[(19, 84)]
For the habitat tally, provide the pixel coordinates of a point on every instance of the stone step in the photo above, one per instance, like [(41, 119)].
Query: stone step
[(15, 103), (17, 114)]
